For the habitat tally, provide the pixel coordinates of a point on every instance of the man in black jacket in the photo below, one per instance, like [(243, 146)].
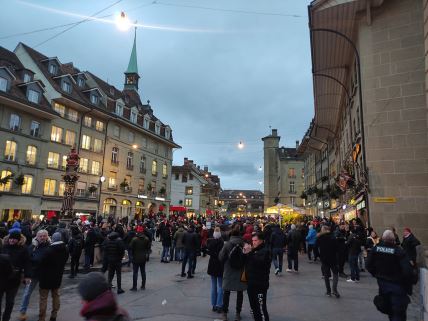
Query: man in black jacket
[(409, 244), (75, 247), (293, 245), (277, 243), (190, 242), (114, 249), (391, 266), (327, 245), (257, 268)]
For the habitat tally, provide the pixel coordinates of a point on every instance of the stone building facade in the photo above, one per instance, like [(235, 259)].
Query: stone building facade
[(371, 114)]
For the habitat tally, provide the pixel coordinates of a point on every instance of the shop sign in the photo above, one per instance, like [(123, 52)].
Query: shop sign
[(385, 199), (141, 196), (361, 205), (326, 204), (159, 199)]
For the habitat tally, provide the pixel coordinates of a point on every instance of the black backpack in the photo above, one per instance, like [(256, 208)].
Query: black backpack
[(236, 257)]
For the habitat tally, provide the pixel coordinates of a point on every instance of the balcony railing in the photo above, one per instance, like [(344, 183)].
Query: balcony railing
[(126, 189), (115, 162), (54, 166), (143, 170), (130, 167)]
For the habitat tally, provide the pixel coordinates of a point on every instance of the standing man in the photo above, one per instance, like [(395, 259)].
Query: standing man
[(75, 247), (190, 242), (409, 244), (328, 254), (293, 244), (257, 268), (391, 266), (114, 250), (139, 247), (354, 246), (52, 268), (311, 238), (277, 243), (340, 235)]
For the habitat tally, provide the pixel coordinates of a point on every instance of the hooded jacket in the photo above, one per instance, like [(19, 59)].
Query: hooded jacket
[(17, 257), (178, 238), (257, 267), (114, 248), (311, 238), (104, 308), (328, 248), (139, 247), (52, 265)]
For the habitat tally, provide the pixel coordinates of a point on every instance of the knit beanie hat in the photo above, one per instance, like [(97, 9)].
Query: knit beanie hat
[(93, 285), (16, 227), (56, 237), (14, 235)]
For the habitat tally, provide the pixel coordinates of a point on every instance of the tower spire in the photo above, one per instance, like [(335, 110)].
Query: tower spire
[(131, 73)]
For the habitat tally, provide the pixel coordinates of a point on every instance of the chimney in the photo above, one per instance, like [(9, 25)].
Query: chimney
[(297, 144), (275, 132), (186, 160), (205, 168)]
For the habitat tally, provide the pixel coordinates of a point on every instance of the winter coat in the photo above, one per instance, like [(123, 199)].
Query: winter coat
[(17, 258), (166, 237), (128, 238), (294, 241), (215, 266), (231, 276), (178, 238), (257, 267), (204, 237), (277, 239), (311, 238), (328, 248), (354, 245), (76, 245), (409, 245), (37, 251), (104, 308), (190, 241), (114, 248), (65, 234), (139, 247), (52, 266), (90, 239)]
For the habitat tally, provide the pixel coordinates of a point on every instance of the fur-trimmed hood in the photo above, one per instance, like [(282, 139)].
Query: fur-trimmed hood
[(21, 241)]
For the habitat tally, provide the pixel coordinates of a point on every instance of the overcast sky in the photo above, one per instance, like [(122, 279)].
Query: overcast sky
[(217, 77)]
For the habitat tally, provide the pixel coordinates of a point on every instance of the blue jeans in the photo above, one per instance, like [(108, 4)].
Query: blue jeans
[(179, 253), (27, 294), (216, 291), (89, 256), (353, 264), (188, 256), (165, 253), (277, 258)]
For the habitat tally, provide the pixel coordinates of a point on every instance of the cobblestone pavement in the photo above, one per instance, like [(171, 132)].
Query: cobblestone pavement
[(291, 297)]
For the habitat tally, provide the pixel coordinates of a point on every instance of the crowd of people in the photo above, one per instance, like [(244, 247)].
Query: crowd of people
[(240, 254)]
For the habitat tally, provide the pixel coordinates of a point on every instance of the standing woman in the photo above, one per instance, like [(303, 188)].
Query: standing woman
[(215, 269)]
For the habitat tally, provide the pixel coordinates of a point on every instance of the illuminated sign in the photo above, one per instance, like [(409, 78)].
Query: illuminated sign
[(385, 199)]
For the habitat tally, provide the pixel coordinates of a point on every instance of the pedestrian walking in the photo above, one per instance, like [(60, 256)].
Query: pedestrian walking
[(293, 244), (52, 267), (179, 247), (114, 249), (139, 247), (190, 242), (311, 239), (232, 274), (341, 238), (409, 244), (166, 243), (215, 270), (328, 248), (98, 301), (257, 268), (277, 243)]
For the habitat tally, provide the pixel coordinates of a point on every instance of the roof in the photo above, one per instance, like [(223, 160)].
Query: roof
[(132, 65)]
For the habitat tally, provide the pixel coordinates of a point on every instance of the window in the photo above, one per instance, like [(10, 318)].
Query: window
[(183, 178), (188, 202), (61, 188), (35, 129), (95, 168), (157, 128), (154, 167), (80, 82), (141, 186), (143, 164), (99, 125), (94, 99), (164, 170), (167, 133), (112, 180), (3, 84), (130, 161), (49, 187), (131, 137), (28, 184), (33, 96), (292, 190), (73, 115), (53, 160), (64, 162), (190, 177), (27, 77), (98, 145), (115, 155), (189, 190), (81, 189), (146, 122), (116, 131), (52, 69), (6, 187), (15, 122), (119, 109), (66, 86), (133, 116), (86, 142), (10, 150), (87, 121), (177, 176), (70, 137), (56, 134), (84, 162), (31, 155), (60, 109)]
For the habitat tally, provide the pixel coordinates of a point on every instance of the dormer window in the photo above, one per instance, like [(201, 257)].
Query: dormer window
[(111, 91), (134, 114), (3, 84), (80, 82), (119, 109), (146, 122), (53, 69), (167, 133), (94, 99), (27, 77), (33, 96), (66, 86), (157, 128)]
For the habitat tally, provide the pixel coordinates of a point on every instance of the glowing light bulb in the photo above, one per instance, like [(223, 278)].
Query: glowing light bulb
[(122, 22), (241, 145)]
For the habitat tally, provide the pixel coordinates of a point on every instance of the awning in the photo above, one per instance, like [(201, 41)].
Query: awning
[(177, 209)]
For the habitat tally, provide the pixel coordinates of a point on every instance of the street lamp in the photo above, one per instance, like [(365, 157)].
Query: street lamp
[(100, 184)]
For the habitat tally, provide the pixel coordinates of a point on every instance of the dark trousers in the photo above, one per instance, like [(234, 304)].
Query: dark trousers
[(189, 257), (398, 299), (89, 256), (328, 270), (353, 264), (142, 268), (293, 257), (257, 298), (112, 268), (10, 301), (341, 259), (74, 265), (239, 301), (313, 248), (278, 257)]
